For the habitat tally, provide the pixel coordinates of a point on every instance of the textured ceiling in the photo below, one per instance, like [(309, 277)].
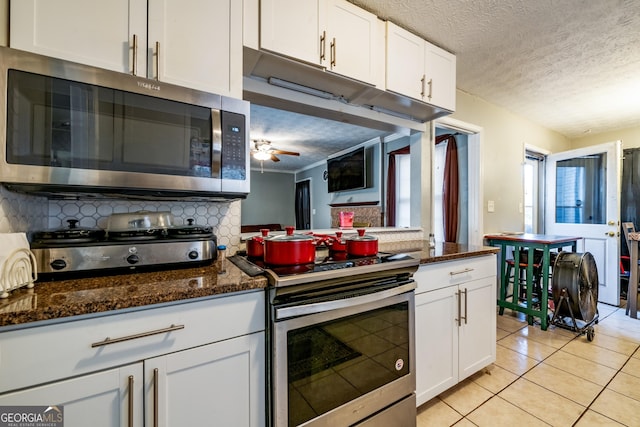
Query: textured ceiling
[(314, 138), (569, 65)]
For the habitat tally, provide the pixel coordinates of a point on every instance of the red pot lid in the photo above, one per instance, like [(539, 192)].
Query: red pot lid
[(290, 237), (361, 237)]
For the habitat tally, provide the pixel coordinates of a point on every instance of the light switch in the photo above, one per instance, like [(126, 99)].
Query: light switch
[(491, 206), (313, 211), (520, 207)]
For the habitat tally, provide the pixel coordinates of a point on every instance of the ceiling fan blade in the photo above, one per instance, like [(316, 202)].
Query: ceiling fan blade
[(274, 158), (288, 153)]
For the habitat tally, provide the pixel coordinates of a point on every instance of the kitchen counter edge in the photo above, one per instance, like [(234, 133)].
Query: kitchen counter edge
[(75, 299)]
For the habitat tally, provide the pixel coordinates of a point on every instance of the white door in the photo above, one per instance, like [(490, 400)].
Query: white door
[(583, 200)]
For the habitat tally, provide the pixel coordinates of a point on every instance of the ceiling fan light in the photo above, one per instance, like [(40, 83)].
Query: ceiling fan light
[(261, 155)]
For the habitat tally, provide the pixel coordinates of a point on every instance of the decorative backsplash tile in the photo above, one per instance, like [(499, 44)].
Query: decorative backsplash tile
[(21, 213), (26, 213)]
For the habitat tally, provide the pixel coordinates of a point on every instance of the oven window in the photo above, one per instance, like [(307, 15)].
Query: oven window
[(61, 123), (332, 363)]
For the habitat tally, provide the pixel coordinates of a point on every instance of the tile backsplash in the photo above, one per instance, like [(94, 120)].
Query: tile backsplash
[(26, 213)]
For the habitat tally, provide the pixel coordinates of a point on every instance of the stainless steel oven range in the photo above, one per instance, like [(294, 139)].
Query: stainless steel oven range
[(342, 343)]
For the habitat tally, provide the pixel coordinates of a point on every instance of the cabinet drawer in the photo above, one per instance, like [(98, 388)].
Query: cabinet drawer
[(449, 273), (51, 352)]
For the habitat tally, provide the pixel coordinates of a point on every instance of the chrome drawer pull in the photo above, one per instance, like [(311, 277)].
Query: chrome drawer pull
[(108, 340), (466, 270), (130, 414)]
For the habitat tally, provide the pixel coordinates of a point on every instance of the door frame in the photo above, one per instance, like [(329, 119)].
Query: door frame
[(295, 192), (475, 167), (612, 221)]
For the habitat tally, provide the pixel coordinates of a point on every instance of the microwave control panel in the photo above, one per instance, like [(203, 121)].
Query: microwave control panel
[(234, 148)]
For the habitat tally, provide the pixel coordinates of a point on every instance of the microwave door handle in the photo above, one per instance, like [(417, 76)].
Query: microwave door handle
[(216, 144)]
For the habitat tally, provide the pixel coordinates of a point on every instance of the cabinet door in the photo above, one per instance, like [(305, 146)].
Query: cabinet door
[(197, 44), (103, 399), (436, 342), (440, 72), (221, 383), (98, 33), (294, 28), (405, 62), (477, 334), (352, 34)]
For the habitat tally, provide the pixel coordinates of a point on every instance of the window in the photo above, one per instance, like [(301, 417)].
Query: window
[(533, 181), (403, 190)]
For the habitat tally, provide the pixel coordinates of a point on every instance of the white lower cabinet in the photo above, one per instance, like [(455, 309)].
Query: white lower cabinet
[(455, 322), (217, 384), (207, 367), (108, 398)]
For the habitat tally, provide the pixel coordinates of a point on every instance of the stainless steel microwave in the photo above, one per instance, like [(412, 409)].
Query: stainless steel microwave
[(71, 128)]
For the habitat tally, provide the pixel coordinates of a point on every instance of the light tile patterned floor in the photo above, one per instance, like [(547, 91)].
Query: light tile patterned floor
[(550, 378)]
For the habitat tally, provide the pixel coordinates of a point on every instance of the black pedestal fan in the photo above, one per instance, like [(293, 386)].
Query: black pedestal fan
[(574, 287)]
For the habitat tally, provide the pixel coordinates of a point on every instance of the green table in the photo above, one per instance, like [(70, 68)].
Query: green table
[(528, 243)]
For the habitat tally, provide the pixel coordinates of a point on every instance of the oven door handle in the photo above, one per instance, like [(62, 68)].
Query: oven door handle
[(320, 307)]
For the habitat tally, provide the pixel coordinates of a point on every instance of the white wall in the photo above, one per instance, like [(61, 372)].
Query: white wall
[(630, 138), (505, 135), (4, 22)]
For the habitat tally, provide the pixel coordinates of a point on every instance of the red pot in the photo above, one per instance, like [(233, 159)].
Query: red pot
[(362, 245), (255, 245), (336, 244), (289, 249)]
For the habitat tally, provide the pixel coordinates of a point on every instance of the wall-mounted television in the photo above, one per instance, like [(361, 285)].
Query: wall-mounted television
[(347, 171)]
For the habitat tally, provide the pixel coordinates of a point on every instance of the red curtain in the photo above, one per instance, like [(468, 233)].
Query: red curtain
[(450, 188), (391, 185)]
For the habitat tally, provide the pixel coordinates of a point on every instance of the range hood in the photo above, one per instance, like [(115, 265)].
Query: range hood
[(316, 81)]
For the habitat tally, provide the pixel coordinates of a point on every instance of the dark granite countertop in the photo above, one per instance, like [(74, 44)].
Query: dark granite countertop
[(453, 251), (57, 300), (442, 252)]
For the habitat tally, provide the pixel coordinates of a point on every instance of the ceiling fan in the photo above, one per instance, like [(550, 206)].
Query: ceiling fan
[(264, 151)]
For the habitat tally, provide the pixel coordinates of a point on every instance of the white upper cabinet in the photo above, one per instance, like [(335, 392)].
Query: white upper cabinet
[(420, 70), (355, 47), (95, 33), (293, 28), (333, 34), (440, 77), (197, 43), (405, 62), (192, 43)]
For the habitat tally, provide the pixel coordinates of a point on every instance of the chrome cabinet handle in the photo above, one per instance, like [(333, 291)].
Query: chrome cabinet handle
[(422, 85), (455, 273), (157, 60), (430, 88), (135, 55), (323, 44), (108, 341), (155, 397), (333, 52), (459, 318), (465, 305), (130, 418)]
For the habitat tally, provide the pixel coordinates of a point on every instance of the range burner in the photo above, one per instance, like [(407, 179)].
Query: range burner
[(327, 269)]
